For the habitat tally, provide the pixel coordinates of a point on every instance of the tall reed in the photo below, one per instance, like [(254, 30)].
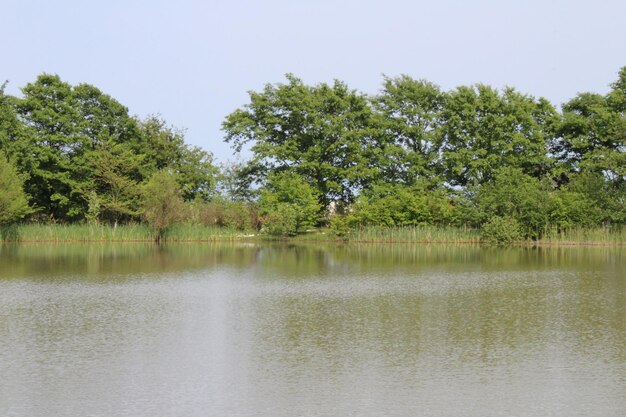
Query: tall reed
[(425, 234), (614, 235), (82, 233), (200, 233)]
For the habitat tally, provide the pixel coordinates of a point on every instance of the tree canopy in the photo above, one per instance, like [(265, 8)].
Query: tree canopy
[(323, 133), (415, 154), (412, 154), (84, 156)]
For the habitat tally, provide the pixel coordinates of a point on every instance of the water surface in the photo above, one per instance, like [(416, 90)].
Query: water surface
[(288, 330)]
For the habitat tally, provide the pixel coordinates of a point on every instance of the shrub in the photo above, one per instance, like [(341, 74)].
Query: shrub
[(289, 195), (501, 230), (13, 200), (163, 204), (283, 221), (340, 225), (401, 205)]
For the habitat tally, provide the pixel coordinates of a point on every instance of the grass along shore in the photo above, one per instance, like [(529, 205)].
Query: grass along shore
[(136, 232), (132, 232)]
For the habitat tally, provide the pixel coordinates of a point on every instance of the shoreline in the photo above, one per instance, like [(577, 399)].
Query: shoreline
[(188, 233), (266, 239)]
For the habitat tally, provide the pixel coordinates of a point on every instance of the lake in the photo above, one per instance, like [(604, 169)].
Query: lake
[(254, 329)]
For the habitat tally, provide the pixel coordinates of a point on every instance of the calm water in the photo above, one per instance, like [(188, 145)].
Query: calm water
[(271, 330)]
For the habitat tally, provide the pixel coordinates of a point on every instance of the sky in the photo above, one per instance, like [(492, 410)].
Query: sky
[(193, 62)]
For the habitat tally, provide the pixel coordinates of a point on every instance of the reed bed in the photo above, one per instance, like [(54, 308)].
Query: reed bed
[(201, 233), (131, 232), (423, 234), (615, 235), (136, 232)]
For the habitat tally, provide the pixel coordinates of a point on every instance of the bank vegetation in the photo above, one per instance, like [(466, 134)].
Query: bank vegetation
[(326, 162)]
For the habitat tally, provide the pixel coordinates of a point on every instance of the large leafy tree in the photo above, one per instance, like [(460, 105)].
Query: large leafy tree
[(64, 125), (484, 129), (47, 110), (591, 154), (14, 141), (164, 146), (588, 200), (321, 132), (592, 136), (13, 200), (114, 191), (86, 156), (409, 115)]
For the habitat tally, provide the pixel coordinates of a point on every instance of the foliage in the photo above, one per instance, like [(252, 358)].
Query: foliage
[(239, 215), (502, 230), (235, 180), (409, 115), (400, 205), (339, 225), (64, 124), (592, 135), (114, 192), (13, 200), (14, 141), (282, 221), (162, 202), (401, 164), (589, 200), (322, 133), (483, 129), (82, 150), (511, 194), (289, 205), (163, 146)]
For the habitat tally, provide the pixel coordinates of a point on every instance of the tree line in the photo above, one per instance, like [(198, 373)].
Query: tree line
[(323, 154)]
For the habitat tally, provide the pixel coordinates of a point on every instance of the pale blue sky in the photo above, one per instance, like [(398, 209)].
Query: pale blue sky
[(193, 61)]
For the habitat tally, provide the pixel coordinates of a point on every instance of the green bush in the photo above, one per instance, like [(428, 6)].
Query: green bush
[(514, 195), (501, 230), (234, 215), (289, 205), (13, 200), (163, 204), (283, 221), (340, 225), (394, 205)]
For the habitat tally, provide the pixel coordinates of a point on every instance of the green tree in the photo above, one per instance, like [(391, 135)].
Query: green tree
[(88, 153), (409, 115), (592, 135), (322, 133), (163, 146), (589, 199), (502, 230), (114, 192), (513, 196), (13, 200), (484, 129), (14, 141), (162, 202), (235, 181), (64, 124), (47, 112), (289, 205)]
